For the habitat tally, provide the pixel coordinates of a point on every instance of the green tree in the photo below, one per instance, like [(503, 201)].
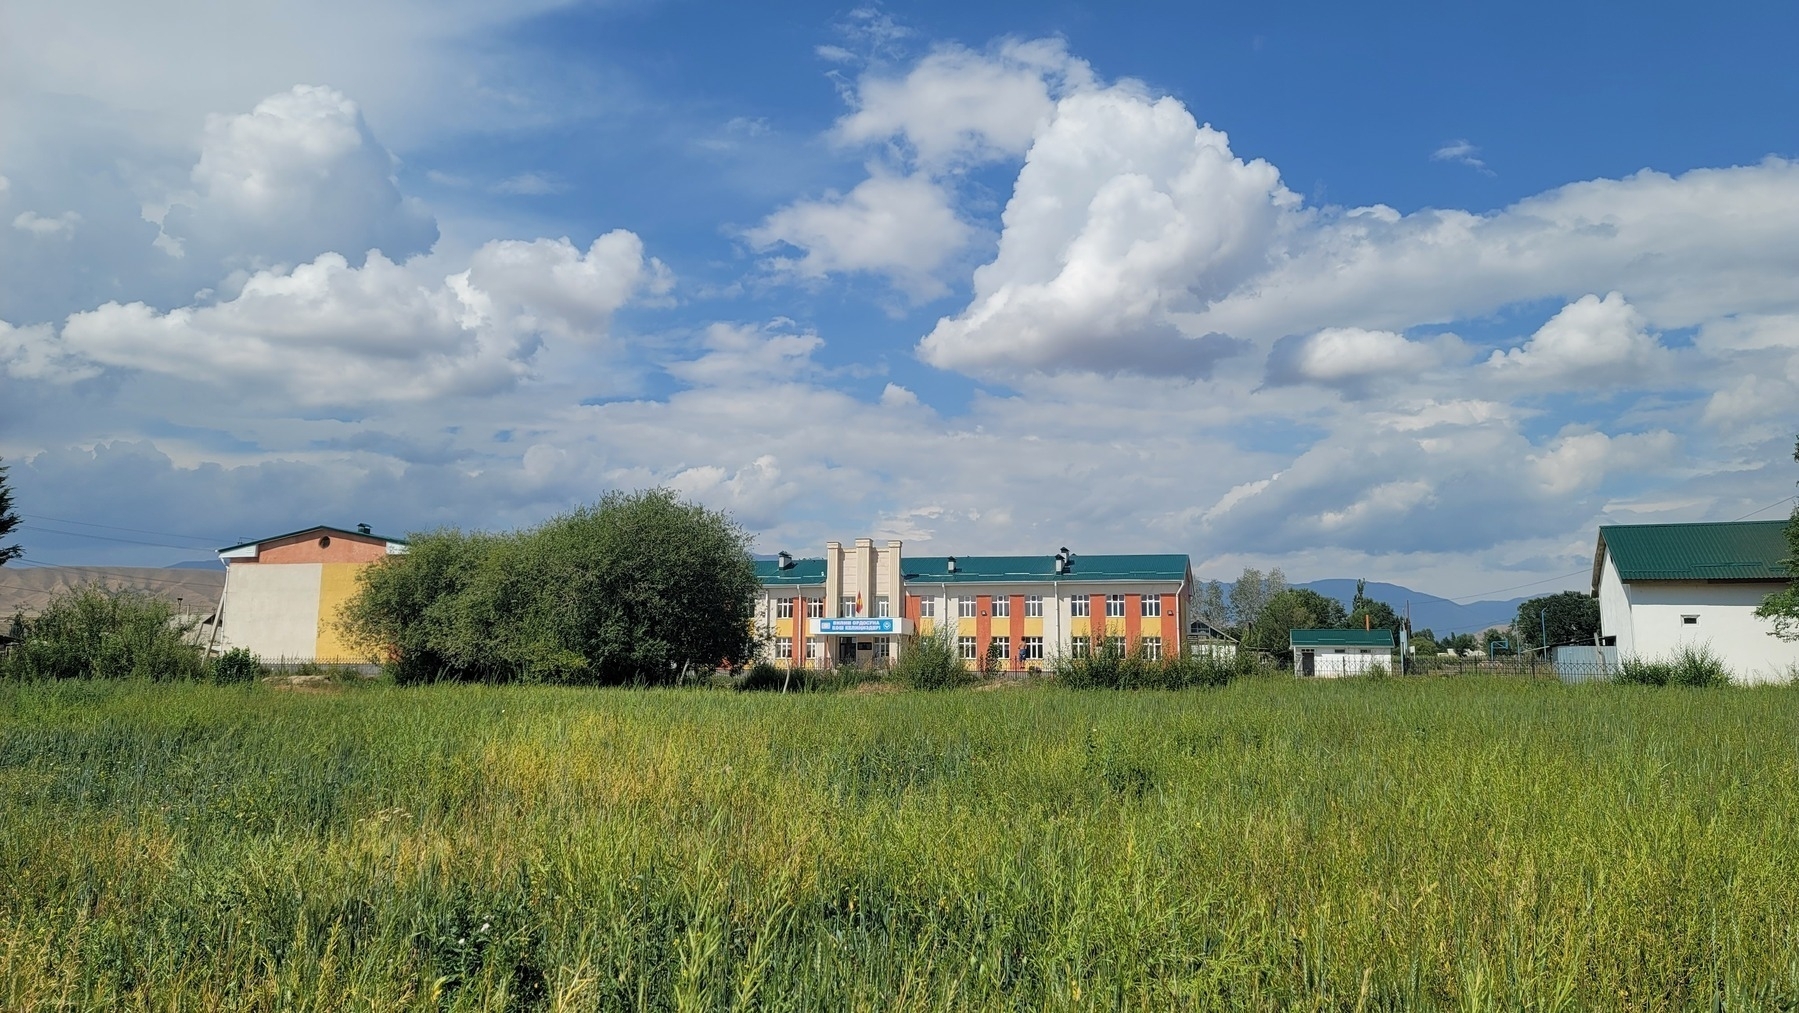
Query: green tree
[(9, 520), (640, 588), (1248, 595), (1210, 605), (1295, 608), (89, 632), (1571, 617), (1424, 642), (1367, 613), (1462, 643), (1782, 607)]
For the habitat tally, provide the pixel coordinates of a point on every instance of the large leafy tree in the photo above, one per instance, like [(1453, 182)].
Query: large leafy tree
[(1782, 607), (9, 521), (641, 588), (1569, 617), (1296, 608)]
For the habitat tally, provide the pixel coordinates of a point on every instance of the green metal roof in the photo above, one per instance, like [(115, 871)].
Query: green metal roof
[(1169, 567), (1166, 567), (1730, 550), (803, 572), (1341, 638)]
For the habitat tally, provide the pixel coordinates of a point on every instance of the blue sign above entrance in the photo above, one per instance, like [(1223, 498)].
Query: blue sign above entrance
[(840, 626)]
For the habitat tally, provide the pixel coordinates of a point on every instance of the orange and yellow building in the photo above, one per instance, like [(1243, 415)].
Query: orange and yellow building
[(862, 603), (283, 594)]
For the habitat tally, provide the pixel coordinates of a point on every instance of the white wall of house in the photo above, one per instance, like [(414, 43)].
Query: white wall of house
[(1337, 662), (272, 609), (1651, 620)]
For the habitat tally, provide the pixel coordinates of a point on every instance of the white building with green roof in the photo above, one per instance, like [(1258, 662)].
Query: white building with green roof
[(1665, 587)]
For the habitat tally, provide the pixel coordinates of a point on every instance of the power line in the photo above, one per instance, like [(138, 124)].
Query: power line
[(1770, 506), (108, 538), (208, 539), (1501, 590)]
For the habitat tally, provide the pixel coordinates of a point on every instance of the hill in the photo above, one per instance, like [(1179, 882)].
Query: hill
[(27, 588)]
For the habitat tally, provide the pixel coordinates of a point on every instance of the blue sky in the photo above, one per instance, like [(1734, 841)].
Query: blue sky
[(1422, 296)]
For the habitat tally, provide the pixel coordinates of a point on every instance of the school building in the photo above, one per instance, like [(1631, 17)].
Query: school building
[(862, 603)]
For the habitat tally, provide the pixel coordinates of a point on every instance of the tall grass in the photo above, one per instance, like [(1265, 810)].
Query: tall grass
[(1273, 844), (1689, 666)]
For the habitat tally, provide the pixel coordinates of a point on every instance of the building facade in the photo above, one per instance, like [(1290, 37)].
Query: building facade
[(1332, 654), (1666, 587), (283, 594), (863, 603)]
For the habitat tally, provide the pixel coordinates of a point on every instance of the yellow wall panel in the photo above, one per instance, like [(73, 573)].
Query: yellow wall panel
[(337, 584)]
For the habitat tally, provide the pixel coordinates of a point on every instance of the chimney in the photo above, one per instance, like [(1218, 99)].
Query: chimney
[(783, 560), (363, 529), (952, 564)]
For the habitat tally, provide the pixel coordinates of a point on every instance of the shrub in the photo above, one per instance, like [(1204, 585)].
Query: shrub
[(90, 632), (1110, 668), (764, 676), (1690, 666), (236, 665), (932, 661)]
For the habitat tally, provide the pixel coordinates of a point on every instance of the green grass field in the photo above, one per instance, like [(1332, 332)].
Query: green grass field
[(1359, 845)]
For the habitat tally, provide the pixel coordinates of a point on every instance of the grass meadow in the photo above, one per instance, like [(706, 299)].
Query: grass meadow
[(1351, 845)]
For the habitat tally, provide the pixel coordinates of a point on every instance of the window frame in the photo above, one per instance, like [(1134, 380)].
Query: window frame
[(784, 608), (1033, 606), (783, 648), (846, 605), (1001, 607), (1150, 606), (1114, 606), (968, 649), (815, 648), (815, 608), (967, 606), (883, 607), (1152, 648), (1032, 647), (1080, 647), (927, 607), (1080, 607)]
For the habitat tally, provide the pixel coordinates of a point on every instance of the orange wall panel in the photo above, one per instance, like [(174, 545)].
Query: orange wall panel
[(306, 549)]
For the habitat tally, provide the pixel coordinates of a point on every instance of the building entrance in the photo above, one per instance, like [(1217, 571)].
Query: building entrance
[(846, 650)]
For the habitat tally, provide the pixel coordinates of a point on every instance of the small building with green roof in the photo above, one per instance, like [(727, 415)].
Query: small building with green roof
[(1332, 654), (1663, 588)]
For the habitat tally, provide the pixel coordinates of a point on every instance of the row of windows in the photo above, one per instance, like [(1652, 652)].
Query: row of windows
[(1029, 649), (1082, 647), (966, 606)]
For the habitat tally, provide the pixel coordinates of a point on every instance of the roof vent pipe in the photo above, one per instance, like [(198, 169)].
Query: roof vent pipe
[(1061, 564), (783, 561), (952, 564), (363, 529)]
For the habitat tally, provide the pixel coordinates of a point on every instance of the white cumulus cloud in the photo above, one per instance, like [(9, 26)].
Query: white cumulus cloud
[(1126, 212), (1592, 342), (903, 227)]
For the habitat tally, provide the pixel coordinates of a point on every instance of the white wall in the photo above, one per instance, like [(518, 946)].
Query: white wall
[(1614, 609), (1727, 624), (272, 609), (1332, 663)]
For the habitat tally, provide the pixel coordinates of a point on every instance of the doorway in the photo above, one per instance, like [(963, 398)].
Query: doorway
[(1308, 663), (846, 650)]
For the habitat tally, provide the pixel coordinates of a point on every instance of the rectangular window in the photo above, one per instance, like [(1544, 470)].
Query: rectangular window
[(1080, 647), (965, 608), (1115, 645), (815, 608), (883, 607), (784, 647), (1033, 606), (1152, 606), (965, 648), (883, 649), (784, 608), (1689, 620), (1033, 648), (1080, 606), (1002, 607), (1001, 648), (927, 608), (1152, 648), (1114, 606), (846, 605), (814, 647)]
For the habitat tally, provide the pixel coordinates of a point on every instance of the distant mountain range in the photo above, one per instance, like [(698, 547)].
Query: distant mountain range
[(1429, 612)]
